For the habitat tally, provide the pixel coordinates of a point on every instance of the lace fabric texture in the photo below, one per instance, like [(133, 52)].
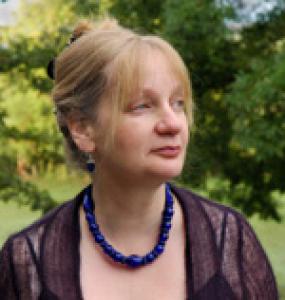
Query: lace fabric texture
[(224, 259)]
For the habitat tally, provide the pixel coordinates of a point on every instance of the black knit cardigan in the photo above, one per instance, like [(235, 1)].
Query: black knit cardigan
[(224, 259)]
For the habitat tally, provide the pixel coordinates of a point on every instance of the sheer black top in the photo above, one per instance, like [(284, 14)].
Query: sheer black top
[(224, 259)]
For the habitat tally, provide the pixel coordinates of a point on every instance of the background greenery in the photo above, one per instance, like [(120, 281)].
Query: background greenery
[(237, 149)]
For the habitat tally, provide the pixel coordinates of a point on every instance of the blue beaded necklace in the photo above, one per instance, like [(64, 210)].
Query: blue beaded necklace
[(133, 261)]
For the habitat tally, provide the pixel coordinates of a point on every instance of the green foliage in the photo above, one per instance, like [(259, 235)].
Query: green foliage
[(197, 30), (262, 39), (258, 121), (27, 127), (143, 15), (257, 112), (11, 185), (25, 193), (40, 142)]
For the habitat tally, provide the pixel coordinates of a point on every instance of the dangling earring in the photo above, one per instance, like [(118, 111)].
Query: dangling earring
[(90, 164)]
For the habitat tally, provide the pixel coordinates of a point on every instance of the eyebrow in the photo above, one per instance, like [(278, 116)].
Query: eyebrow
[(152, 93)]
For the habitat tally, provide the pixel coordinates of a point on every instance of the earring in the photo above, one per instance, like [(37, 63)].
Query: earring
[(90, 164)]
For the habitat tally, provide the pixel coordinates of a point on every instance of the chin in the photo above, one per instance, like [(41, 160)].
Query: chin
[(166, 172)]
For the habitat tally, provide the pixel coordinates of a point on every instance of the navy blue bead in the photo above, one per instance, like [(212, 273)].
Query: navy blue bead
[(163, 230), (163, 237), (150, 257), (94, 227), (167, 218), (169, 211), (169, 200), (118, 256), (134, 261), (159, 249), (99, 238), (154, 253), (166, 225), (103, 244), (107, 248), (89, 192), (90, 218), (88, 205)]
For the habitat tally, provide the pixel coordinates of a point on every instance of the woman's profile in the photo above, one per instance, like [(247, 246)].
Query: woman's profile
[(123, 103)]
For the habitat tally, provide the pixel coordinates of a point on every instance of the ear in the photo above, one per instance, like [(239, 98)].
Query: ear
[(82, 135)]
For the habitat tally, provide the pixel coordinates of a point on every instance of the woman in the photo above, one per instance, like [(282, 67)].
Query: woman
[(124, 101)]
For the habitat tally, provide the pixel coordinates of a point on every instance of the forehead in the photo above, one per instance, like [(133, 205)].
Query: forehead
[(155, 67), (156, 72)]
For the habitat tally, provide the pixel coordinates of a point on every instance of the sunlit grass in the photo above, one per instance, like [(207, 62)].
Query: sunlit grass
[(13, 217)]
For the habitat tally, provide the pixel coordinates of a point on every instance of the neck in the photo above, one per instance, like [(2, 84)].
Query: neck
[(128, 212)]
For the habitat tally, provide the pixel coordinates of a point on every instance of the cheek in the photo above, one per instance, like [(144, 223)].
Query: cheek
[(129, 138), (134, 138)]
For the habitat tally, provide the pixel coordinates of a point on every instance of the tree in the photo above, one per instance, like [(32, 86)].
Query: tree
[(257, 113), (27, 126), (11, 185), (141, 15)]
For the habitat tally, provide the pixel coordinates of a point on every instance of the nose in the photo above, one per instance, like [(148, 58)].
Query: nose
[(169, 122)]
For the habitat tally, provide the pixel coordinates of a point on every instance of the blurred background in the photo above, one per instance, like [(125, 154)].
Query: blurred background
[(235, 51)]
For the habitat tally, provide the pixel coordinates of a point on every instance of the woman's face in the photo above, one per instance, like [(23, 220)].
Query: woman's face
[(152, 132)]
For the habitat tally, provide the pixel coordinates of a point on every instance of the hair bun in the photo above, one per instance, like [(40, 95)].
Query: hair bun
[(107, 24), (82, 28), (85, 26)]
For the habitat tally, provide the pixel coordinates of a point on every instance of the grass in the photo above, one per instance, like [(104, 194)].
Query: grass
[(13, 217), (270, 233)]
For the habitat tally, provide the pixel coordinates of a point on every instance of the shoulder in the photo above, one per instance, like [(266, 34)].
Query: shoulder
[(23, 247), (216, 228), (38, 252), (38, 227), (218, 221), (20, 254), (31, 236)]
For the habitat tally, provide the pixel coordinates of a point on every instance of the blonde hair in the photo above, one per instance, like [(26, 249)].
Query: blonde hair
[(103, 59)]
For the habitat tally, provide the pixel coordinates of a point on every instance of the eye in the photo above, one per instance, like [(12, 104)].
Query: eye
[(178, 104), (140, 106)]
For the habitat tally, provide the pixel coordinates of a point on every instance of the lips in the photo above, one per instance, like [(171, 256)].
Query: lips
[(168, 151)]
